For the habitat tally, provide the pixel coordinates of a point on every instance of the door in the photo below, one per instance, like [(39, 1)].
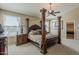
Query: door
[(70, 30)]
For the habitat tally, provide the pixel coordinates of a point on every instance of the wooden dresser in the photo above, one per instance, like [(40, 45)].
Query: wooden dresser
[(21, 39), (2, 45)]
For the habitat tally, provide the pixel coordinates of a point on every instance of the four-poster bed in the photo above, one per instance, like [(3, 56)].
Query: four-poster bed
[(43, 40)]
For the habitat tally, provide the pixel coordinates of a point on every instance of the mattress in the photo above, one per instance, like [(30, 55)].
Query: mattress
[(38, 38)]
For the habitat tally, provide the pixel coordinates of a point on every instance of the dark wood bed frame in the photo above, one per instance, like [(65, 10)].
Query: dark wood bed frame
[(42, 25)]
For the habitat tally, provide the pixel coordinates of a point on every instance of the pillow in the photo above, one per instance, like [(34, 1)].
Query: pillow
[(35, 32), (31, 32), (39, 31)]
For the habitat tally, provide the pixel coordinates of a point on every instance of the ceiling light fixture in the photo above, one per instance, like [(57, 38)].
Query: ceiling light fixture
[(52, 12)]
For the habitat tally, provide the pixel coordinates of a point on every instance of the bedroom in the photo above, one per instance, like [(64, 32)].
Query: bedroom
[(32, 11)]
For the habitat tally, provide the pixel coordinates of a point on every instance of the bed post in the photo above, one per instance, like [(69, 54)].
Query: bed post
[(41, 24), (49, 26), (59, 30), (43, 42), (27, 27)]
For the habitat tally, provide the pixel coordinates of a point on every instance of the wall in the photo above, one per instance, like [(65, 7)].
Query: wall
[(71, 16), (12, 40)]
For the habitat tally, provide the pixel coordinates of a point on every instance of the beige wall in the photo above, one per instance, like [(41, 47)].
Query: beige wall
[(33, 20), (71, 16)]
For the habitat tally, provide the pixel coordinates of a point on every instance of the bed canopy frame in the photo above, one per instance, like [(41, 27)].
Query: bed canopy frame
[(43, 42)]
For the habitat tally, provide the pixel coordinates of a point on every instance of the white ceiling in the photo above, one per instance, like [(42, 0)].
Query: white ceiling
[(33, 9)]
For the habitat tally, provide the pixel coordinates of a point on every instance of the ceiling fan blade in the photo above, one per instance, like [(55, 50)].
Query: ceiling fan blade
[(57, 12), (53, 14), (47, 15)]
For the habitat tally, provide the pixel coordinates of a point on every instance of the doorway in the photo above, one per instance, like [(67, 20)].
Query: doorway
[(70, 30)]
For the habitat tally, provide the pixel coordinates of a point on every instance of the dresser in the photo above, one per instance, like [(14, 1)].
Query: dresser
[(2, 45), (21, 39)]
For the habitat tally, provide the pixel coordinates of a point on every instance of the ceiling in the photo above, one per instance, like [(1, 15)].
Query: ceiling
[(33, 9)]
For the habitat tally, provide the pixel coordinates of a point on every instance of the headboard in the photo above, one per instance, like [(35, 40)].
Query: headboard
[(34, 27)]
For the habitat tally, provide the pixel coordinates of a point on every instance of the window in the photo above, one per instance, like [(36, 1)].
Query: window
[(11, 25), (11, 21), (47, 26), (52, 26)]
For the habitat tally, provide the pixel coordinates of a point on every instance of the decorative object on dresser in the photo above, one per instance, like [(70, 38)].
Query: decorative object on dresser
[(1, 29)]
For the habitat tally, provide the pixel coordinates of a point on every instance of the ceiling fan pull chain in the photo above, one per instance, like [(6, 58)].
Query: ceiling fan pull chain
[(50, 6)]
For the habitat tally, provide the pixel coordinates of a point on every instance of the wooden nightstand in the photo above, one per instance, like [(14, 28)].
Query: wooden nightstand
[(21, 39)]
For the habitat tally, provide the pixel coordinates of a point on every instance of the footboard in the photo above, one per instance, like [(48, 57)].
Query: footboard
[(50, 42)]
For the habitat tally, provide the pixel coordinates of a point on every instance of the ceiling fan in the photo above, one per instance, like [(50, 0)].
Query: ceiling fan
[(52, 12)]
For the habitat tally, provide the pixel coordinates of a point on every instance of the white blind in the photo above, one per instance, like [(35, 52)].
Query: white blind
[(11, 21), (11, 25)]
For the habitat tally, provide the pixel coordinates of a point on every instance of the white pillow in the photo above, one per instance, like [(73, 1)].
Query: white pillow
[(31, 32), (35, 32)]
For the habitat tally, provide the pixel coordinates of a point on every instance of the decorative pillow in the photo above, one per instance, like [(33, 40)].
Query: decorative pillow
[(31, 32), (35, 32), (39, 31)]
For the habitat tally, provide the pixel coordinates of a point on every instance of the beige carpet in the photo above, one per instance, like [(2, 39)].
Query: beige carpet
[(30, 49)]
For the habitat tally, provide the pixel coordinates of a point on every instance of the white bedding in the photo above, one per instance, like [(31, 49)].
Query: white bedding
[(38, 38)]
